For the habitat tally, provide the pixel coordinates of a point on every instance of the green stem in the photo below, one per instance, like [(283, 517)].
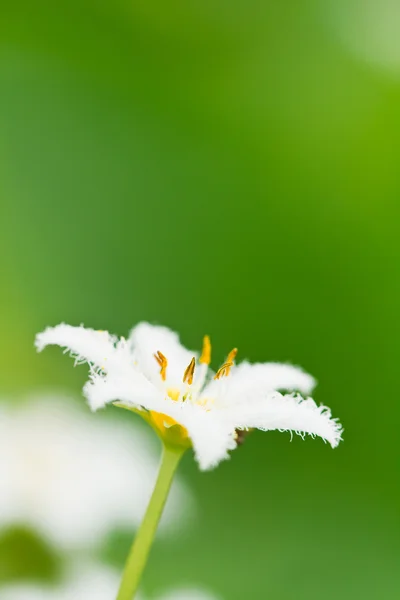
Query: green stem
[(140, 550)]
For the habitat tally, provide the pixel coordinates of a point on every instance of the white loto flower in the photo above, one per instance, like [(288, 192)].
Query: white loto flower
[(57, 464), (176, 392), (88, 581)]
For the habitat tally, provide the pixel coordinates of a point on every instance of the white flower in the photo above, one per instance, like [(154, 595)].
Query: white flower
[(83, 582), (176, 392), (88, 581), (73, 479)]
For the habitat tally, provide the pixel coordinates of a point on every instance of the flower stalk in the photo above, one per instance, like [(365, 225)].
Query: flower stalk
[(141, 547)]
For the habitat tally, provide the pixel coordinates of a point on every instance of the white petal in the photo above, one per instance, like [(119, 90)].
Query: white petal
[(133, 389), (96, 347), (146, 340), (247, 381), (212, 438), (286, 413)]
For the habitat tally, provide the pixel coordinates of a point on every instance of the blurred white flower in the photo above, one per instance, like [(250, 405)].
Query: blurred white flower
[(90, 582), (369, 29), (83, 582), (175, 391), (187, 594), (73, 478)]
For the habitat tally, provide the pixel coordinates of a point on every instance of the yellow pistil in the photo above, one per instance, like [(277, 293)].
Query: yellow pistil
[(162, 361), (189, 372), (205, 357), (226, 367)]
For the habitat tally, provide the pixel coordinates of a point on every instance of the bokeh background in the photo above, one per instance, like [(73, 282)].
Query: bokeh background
[(229, 168)]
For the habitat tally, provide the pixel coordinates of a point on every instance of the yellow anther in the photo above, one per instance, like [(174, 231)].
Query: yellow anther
[(224, 370), (232, 355), (205, 357), (189, 372), (226, 367), (162, 361)]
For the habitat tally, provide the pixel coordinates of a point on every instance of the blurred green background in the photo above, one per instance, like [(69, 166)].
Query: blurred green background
[(229, 168)]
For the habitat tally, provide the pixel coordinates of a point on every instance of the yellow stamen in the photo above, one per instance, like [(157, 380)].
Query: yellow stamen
[(224, 370), (232, 355), (226, 367), (205, 357), (189, 372), (162, 361)]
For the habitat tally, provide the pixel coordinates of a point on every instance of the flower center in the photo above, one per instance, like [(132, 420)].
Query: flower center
[(167, 428), (188, 374), (174, 394)]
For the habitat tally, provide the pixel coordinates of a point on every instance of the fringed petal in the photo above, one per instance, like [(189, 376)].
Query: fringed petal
[(247, 381), (211, 437), (286, 413), (134, 391), (84, 345)]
